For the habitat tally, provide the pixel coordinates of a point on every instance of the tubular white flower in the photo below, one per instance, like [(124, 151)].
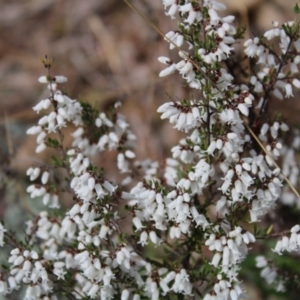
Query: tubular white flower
[(43, 79), (168, 71), (288, 90), (243, 109), (216, 259), (60, 79)]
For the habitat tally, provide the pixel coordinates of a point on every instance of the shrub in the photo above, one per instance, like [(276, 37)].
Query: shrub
[(200, 222)]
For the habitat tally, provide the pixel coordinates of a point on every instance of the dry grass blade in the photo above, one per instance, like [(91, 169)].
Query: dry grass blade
[(267, 153), (98, 28), (9, 141)]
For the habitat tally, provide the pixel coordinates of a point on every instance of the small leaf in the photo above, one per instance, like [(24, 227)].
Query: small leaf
[(296, 9), (255, 229), (53, 143), (57, 162), (269, 230)]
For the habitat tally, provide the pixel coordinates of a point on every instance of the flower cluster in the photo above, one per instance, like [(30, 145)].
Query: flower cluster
[(270, 273), (289, 244), (229, 250), (217, 136)]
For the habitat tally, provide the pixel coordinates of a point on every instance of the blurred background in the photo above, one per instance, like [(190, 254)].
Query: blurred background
[(109, 53)]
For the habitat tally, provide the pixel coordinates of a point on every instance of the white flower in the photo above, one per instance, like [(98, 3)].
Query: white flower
[(60, 79), (3, 287), (43, 104), (216, 259), (243, 109), (288, 90), (45, 177), (168, 71), (2, 231), (296, 83), (43, 79), (252, 48), (172, 11), (34, 130), (125, 294), (143, 238)]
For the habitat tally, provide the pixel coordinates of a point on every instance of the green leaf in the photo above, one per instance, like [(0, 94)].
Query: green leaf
[(296, 9), (53, 143), (269, 230), (56, 161)]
